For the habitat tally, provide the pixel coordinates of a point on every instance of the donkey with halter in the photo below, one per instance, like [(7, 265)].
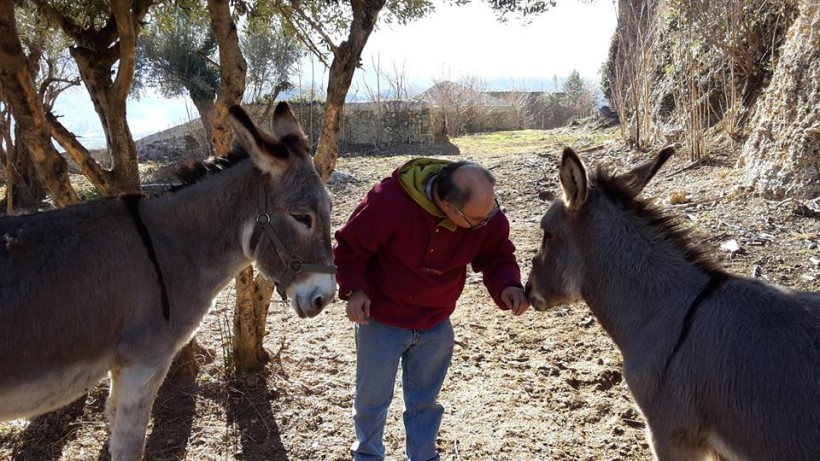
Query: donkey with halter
[(116, 286), (722, 366)]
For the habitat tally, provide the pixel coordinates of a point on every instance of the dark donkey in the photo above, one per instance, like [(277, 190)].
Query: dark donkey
[(116, 286), (721, 366)]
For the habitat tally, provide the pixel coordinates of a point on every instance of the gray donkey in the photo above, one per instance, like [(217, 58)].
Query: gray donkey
[(116, 286), (723, 367)]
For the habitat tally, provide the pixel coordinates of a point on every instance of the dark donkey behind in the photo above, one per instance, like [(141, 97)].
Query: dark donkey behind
[(118, 285), (721, 366)]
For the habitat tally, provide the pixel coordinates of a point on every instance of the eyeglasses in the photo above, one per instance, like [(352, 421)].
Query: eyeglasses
[(484, 221)]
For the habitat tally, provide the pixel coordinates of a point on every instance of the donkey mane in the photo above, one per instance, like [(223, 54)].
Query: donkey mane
[(620, 191), (191, 171)]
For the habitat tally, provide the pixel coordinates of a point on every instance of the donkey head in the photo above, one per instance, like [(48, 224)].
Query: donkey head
[(291, 242), (559, 267)]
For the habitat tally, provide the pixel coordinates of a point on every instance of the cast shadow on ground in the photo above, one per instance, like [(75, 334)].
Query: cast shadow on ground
[(173, 417), (249, 408), (46, 435)]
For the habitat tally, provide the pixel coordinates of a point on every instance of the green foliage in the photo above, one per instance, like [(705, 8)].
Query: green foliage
[(90, 193), (176, 54), (43, 41), (315, 22), (522, 8), (554, 110), (579, 95), (86, 14), (747, 34), (574, 87), (608, 68), (272, 55)]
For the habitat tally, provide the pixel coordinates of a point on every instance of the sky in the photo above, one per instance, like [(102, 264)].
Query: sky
[(452, 43)]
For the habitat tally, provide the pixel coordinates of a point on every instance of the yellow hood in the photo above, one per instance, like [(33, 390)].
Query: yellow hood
[(413, 176)]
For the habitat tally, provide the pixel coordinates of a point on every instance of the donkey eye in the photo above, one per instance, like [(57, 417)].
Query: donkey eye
[(547, 238), (303, 219)]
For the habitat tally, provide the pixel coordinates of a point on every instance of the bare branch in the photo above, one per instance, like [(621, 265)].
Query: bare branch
[(65, 138), (303, 36)]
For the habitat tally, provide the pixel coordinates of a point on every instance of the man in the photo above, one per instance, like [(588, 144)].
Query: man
[(402, 259)]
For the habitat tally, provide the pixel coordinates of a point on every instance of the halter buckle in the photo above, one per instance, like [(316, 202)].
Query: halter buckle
[(295, 266)]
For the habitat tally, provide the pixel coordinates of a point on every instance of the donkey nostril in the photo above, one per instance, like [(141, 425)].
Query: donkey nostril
[(318, 302)]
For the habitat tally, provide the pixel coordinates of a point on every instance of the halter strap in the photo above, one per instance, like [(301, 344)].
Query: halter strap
[(132, 204), (293, 265)]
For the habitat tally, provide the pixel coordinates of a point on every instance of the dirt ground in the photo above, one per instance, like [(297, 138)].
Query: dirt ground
[(543, 386)]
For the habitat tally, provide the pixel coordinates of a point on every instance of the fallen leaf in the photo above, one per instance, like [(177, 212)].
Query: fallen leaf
[(678, 197)]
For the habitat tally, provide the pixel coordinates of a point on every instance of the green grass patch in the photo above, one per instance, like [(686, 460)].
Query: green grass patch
[(506, 142)]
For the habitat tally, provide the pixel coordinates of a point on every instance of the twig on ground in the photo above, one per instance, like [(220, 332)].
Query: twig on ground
[(690, 166)]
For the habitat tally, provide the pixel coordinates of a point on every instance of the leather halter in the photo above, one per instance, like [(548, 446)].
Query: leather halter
[(293, 265)]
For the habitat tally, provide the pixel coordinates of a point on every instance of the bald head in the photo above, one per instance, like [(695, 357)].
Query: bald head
[(458, 183), (465, 192)]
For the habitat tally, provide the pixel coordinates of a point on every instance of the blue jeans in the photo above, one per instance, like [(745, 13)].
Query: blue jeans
[(425, 357)]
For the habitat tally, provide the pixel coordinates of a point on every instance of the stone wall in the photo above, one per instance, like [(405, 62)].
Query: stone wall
[(375, 124), (366, 126)]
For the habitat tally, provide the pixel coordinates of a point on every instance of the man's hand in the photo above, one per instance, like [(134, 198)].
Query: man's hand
[(515, 299), (358, 307)]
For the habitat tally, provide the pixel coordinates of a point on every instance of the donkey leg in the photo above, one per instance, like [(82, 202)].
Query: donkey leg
[(134, 389), (111, 401), (669, 448)]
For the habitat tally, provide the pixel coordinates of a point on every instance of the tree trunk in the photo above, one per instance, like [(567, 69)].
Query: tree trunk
[(123, 175), (6, 146), (249, 323), (232, 70), (205, 108), (89, 167), (97, 52), (28, 191), (346, 58), (782, 156), (252, 294), (22, 98)]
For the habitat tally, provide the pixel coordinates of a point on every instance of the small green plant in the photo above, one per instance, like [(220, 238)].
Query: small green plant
[(90, 193), (12, 427)]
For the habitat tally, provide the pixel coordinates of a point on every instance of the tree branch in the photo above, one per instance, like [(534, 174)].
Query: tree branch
[(121, 10), (304, 37), (88, 165)]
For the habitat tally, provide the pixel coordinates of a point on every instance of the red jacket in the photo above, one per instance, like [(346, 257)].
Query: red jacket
[(413, 264)]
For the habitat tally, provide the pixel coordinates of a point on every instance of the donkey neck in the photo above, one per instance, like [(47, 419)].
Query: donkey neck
[(205, 223), (640, 288)]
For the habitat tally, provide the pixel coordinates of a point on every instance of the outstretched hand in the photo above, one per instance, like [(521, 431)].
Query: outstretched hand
[(358, 307), (515, 299)]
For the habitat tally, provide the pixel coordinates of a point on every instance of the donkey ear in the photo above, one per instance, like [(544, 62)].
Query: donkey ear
[(573, 177), (267, 153), (637, 179), (284, 122)]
